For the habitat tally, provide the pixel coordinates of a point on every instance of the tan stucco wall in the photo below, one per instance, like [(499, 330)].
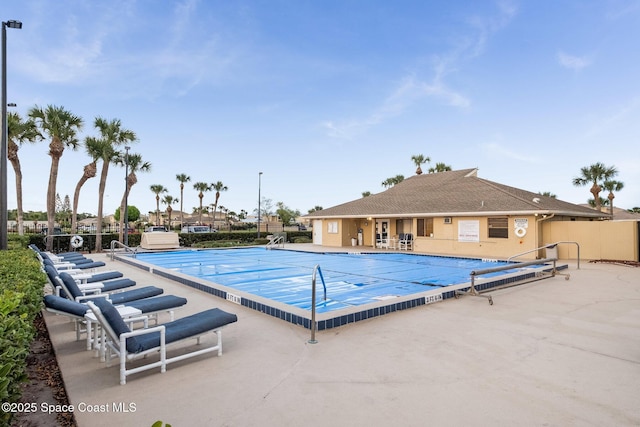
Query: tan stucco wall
[(445, 240), (597, 239), (617, 240)]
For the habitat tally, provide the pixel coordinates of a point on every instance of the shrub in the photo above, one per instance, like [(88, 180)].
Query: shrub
[(21, 292)]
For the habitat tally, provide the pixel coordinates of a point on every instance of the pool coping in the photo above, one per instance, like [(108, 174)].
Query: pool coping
[(344, 316)]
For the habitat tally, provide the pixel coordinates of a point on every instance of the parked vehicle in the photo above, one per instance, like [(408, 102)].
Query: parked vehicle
[(56, 230), (198, 229), (155, 228)]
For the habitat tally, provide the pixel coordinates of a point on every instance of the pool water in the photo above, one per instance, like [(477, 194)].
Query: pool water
[(351, 279)]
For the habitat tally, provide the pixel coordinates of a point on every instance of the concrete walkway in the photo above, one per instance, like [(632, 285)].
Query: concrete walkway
[(553, 353)]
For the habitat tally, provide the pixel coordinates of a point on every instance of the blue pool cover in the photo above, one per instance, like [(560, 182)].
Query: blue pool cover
[(350, 279)]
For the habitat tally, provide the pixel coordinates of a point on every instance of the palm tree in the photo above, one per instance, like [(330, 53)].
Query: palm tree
[(419, 159), (548, 194), (19, 132), (611, 186), (440, 167), (93, 149), (112, 135), (157, 189), (169, 200), (593, 175), (390, 182), (135, 165), (62, 127), (201, 187), (182, 178), (218, 186)]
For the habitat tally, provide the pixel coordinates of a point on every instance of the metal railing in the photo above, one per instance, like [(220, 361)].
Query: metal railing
[(316, 269), (549, 246), (276, 241), (126, 248), (474, 292)]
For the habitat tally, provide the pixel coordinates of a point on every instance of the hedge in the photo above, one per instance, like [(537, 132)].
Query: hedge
[(21, 292)]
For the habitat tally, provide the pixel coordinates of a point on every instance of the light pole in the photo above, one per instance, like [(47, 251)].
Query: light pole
[(126, 196), (4, 215), (259, 213)]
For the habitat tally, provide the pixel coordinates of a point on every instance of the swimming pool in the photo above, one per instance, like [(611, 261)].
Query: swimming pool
[(358, 285)]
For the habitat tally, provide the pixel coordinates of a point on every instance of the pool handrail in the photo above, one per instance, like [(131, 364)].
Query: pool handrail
[(115, 243), (316, 269)]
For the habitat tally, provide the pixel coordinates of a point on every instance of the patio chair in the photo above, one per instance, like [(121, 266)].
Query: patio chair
[(77, 311), (405, 242), (112, 285), (73, 265), (72, 290), (128, 345)]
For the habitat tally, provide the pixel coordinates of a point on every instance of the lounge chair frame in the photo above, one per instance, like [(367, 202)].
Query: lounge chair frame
[(116, 346)]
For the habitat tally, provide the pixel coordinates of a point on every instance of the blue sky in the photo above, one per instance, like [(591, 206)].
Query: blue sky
[(330, 98)]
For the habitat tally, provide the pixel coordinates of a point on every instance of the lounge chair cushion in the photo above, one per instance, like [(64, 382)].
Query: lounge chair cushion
[(135, 294), (101, 277), (119, 298), (67, 306), (115, 284), (190, 326), (165, 302)]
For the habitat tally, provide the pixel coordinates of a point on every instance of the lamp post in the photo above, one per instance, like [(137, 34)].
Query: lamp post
[(4, 215), (126, 196), (259, 213)]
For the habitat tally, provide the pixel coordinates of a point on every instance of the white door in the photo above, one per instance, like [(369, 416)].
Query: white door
[(317, 232)]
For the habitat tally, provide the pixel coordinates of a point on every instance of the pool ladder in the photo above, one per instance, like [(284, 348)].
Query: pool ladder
[(316, 270)]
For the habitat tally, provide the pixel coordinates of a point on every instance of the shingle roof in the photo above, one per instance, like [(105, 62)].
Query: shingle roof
[(453, 193)]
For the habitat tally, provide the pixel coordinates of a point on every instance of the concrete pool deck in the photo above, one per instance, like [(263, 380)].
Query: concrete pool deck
[(552, 352)]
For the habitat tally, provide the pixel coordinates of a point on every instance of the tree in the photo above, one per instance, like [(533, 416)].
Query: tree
[(634, 210), (286, 214), (93, 149), (547, 194), (440, 167), (169, 200), (201, 187), (218, 186), (132, 212), (594, 174), (19, 132), (366, 193), (390, 182), (62, 127), (112, 136), (158, 189), (419, 159), (182, 178), (611, 186), (136, 164), (315, 209)]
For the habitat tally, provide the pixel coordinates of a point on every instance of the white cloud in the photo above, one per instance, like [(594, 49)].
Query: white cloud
[(573, 62)]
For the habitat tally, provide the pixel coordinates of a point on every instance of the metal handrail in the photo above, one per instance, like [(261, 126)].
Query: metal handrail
[(115, 243), (316, 269), (275, 241), (547, 246)]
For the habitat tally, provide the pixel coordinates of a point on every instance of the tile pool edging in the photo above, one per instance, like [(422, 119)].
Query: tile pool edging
[(335, 319)]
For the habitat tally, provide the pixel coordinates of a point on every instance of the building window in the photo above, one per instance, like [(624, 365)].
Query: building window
[(332, 227), (425, 227), (499, 227)]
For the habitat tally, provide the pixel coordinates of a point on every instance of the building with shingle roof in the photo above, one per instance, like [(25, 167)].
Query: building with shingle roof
[(453, 212)]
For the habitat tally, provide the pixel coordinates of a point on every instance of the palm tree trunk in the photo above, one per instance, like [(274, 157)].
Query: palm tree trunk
[(15, 162), (51, 200), (101, 188)]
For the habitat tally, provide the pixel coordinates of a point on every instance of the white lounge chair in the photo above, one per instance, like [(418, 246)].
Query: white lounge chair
[(125, 344)]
